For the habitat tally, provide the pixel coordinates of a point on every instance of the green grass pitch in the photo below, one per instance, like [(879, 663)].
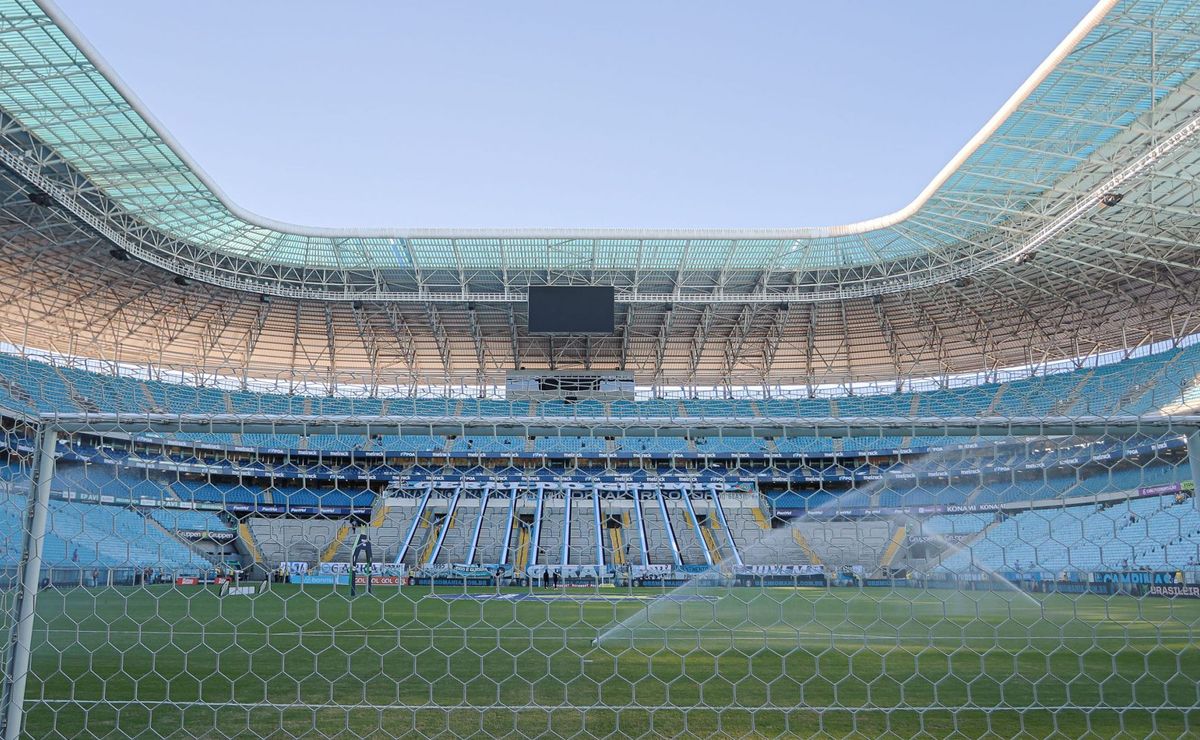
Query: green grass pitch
[(745, 662)]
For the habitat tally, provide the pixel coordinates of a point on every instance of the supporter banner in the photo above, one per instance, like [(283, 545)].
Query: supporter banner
[(448, 570), (203, 534), (653, 571), (1175, 591), (341, 569), (296, 567), (1136, 577), (699, 573), (778, 570), (581, 572)]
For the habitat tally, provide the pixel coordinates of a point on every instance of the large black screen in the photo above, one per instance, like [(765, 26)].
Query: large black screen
[(570, 310)]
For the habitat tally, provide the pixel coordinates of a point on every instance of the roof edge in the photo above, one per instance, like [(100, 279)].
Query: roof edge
[(1060, 52)]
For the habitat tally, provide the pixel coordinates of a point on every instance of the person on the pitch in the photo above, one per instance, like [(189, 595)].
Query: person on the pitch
[(362, 548)]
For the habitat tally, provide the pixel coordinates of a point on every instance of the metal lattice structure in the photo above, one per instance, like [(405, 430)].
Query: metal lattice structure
[(1010, 257)]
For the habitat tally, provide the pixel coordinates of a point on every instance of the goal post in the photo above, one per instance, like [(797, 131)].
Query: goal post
[(20, 642)]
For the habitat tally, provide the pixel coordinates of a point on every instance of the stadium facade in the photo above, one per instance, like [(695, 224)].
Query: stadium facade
[(992, 390)]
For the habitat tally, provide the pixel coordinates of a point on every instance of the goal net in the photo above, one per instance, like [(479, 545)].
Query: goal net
[(259, 575)]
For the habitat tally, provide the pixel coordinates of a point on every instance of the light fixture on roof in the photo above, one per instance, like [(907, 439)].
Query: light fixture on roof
[(1026, 257), (37, 197), (181, 281), (357, 305), (119, 254), (1109, 200)]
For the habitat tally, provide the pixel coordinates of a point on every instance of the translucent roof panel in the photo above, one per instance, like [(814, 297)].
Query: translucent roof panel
[(1107, 73)]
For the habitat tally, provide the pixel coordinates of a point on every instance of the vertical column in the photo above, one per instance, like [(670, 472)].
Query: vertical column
[(412, 527), (599, 525), (687, 502), (441, 537), (21, 637), (641, 526), (670, 529), (1193, 442), (483, 502), (720, 511), (537, 525), (566, 533), (508, 529)]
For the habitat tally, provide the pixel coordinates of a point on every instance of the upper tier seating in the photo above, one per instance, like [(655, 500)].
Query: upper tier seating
[(1140, 385), (1144, 385)]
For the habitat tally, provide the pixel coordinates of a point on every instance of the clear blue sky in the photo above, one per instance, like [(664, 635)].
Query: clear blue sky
[(666, 114)]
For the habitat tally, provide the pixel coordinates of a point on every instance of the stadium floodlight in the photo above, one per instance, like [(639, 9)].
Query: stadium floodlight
[(1109, 188)]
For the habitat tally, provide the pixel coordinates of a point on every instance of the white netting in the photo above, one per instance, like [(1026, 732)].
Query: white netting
[(199, 584)]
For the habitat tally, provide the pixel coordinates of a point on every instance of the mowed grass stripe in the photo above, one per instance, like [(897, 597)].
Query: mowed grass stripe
[(752, 660)]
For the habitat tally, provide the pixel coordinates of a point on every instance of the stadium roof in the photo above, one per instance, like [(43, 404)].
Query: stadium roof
[(972, 215), (1011, 256)]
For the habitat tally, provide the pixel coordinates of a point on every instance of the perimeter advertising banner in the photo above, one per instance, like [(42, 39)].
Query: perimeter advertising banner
[(1186, 486), (378, 580), (195, 535), (1176, 591)]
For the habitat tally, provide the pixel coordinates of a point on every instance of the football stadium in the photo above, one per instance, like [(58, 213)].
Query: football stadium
[(931, 474)]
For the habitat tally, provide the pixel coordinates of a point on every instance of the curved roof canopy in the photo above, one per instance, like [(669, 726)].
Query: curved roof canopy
[(1038, 157), (1067, 228)]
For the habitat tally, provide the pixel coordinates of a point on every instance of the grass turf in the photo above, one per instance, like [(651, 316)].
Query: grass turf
[(293, 661)]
